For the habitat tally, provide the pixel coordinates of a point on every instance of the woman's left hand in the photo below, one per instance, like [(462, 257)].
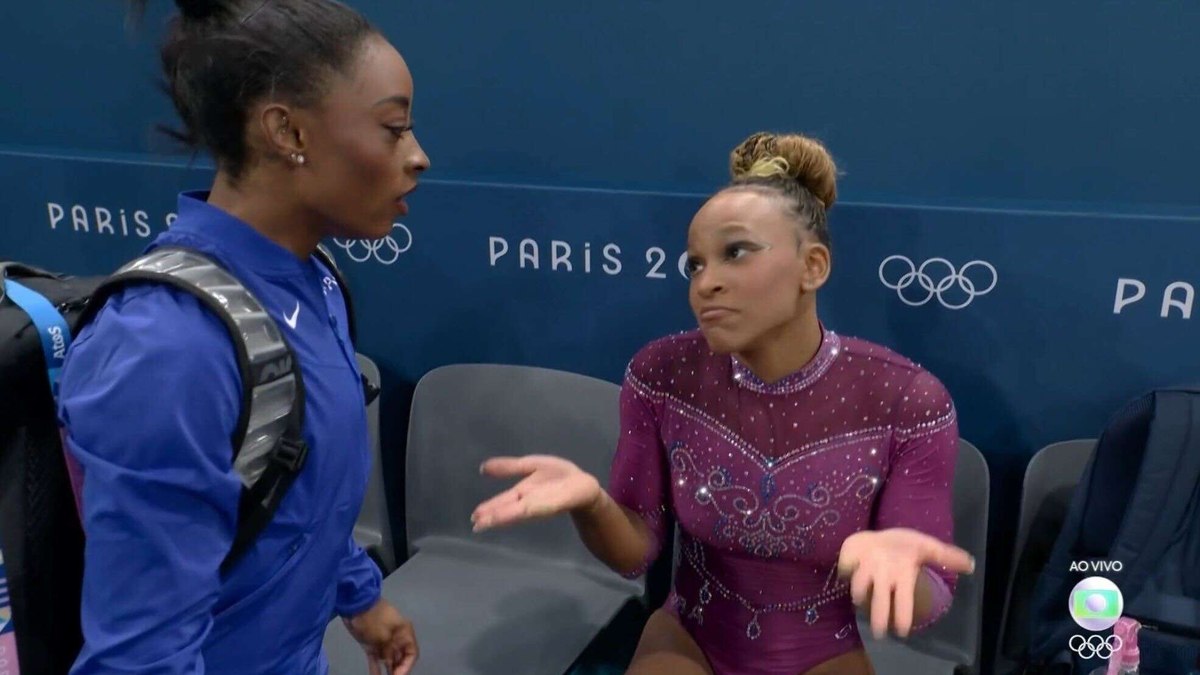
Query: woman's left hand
[(386, 636), (884, 566)]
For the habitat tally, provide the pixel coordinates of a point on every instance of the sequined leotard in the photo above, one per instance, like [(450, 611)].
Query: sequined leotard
[(767, 480)]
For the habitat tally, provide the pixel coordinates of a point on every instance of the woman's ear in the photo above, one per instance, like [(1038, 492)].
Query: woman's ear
[(817, 262), (280, 133)]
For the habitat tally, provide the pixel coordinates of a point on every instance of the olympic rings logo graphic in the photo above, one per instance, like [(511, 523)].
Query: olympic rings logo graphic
[(1094, 646), (385, 251), (969, 285)]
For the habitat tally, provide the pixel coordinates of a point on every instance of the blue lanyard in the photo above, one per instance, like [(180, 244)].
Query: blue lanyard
[(51, 327)]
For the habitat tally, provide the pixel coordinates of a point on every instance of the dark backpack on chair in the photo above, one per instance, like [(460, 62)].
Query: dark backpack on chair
[(1138, 502), (41, 541)]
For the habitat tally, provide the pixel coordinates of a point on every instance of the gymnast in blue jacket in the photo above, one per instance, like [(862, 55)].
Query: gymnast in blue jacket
[(307, 112)]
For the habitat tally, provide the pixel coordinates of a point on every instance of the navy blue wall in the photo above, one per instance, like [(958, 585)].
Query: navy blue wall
[(1086, 100)]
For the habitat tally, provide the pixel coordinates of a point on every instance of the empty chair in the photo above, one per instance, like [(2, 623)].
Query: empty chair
[(952, 644), (511, 601), (373, 529), (1050, 479)]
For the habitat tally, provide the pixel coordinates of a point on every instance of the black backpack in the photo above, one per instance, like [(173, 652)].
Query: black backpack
[(41, 541), (40, 536), (1138, 502)]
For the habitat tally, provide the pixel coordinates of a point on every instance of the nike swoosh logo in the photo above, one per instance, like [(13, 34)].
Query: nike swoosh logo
[(291, 320)]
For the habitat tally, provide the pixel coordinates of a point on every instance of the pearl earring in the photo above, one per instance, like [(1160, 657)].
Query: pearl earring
[(299, 158)]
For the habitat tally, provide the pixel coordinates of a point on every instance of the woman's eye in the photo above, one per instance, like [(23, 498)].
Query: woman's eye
[(735, 251), (399, 131)]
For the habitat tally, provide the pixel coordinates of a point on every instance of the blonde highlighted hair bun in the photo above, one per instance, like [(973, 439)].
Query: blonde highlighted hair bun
[(786, 156)]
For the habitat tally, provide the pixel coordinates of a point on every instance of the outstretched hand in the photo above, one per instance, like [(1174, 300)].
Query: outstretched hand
[(549, 485), (884, 566)]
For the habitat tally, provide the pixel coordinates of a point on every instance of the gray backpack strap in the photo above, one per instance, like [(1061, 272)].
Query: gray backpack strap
[(268, 446)]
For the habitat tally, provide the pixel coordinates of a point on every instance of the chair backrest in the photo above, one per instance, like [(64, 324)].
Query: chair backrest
[(373, 530), (956, 636), (465, 414), (1054, 471), (1050, 479)]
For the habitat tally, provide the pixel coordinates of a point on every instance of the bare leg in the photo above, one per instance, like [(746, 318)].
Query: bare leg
[(850, 663), (667, 649)]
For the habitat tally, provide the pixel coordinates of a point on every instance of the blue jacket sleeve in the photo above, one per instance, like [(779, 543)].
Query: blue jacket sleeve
[(359, 581), (150, 397)]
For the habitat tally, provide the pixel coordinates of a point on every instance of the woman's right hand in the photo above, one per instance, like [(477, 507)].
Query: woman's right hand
[(548, 486)]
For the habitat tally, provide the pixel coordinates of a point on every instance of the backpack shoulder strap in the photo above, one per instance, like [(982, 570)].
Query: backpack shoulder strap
[(1166, 478), (268, 450)]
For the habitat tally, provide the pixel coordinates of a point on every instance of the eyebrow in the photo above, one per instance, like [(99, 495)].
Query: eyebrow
[(734, 229), (400, 100)]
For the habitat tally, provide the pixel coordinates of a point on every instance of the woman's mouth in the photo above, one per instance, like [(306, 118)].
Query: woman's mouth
[(402, 202)]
